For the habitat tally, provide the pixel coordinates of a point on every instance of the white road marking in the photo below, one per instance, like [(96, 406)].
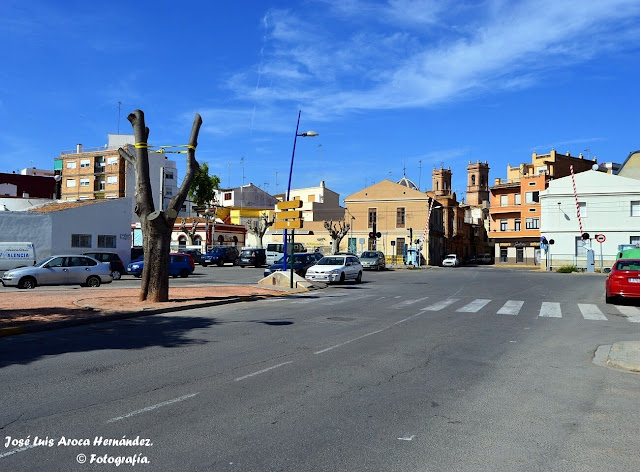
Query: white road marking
[(152, 407), (550, 310), (591, 312), (340, 300), (368, 334), (263, 371), (474, 306), (15, 451), (408, 438), (512, 307), (406, 303), (631, 312), (441, 304)]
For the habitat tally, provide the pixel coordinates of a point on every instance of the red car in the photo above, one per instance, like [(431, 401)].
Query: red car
[(623, 280)]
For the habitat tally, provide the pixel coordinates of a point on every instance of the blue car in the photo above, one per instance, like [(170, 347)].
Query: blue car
[(179, 265), (301, 262)]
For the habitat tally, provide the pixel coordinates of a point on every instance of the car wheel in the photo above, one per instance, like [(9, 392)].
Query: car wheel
[(27, 282), (204, 264), (608, 298), (184, 273), (116, 275), (93, 281), (220, 262), (342, 277), (359, 277)]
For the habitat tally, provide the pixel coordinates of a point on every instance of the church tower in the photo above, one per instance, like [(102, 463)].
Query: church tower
[(441, 181), (477, 183)]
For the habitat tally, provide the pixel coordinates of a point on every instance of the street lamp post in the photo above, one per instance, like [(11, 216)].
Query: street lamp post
[(307, 134)]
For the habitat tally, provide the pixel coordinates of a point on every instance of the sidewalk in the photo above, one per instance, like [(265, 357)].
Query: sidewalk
[(42, 310)]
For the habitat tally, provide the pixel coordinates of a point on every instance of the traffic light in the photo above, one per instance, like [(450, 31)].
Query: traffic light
[(372, 235)]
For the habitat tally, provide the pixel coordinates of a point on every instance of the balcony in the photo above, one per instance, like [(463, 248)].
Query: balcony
[(512, 234), (497, 209)]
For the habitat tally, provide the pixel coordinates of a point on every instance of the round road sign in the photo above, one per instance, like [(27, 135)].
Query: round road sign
[(600, 238)]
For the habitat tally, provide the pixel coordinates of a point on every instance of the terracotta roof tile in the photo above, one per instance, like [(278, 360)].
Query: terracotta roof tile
[(65, 206)]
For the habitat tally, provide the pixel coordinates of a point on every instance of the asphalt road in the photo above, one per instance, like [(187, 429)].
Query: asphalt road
[(445, 370)]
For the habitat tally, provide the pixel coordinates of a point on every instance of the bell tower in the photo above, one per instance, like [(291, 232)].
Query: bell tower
[(441, 181), (477, 183)]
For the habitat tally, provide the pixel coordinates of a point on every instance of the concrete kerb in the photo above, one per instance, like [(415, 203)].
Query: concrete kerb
[(117, 316)]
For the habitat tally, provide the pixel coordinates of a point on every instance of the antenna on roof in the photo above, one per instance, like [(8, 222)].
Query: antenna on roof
[(119, 104)]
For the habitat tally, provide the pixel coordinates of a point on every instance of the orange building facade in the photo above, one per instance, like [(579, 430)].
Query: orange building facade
[(515, 205)]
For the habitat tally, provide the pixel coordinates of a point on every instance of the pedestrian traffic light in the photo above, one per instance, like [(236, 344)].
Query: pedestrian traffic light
[(372, 235)]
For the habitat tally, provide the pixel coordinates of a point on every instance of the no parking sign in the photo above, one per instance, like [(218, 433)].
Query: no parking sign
[(600, 238)]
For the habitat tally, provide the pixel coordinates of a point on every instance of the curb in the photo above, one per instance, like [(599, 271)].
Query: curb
[(54, 325), (625, 355)]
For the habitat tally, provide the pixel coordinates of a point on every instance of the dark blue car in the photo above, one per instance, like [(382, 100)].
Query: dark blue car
[(301, 262), (179, 265)]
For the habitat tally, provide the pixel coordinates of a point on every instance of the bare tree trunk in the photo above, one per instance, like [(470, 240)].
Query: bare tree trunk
[(337, 231), (157, 225)]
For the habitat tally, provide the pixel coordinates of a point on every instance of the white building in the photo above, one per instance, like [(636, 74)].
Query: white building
[(609, 205), (72, 227)]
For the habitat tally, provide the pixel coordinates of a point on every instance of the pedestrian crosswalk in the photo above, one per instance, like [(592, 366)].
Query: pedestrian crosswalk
[(541, 309)]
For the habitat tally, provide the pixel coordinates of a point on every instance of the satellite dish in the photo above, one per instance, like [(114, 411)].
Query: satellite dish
[(595, 167)]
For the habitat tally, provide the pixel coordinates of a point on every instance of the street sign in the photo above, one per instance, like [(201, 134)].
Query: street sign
[(288, 215), (290, 205), (600, 238), (289, 224)]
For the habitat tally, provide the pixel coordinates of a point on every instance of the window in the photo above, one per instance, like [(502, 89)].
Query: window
[(531, 184), (107, 240), (85, 163), (168, 175), (503, 225), (582, 206), (516, 224), (581, 250), (112, 160), (541, 170), (400, 217), (112, 179), (71, 182), (400, 247), (182, 241), (227, 196), (71, 164), (517, 199), (80, 240), (532, 223), (532, 197), (504, 200), (473, 180), (372, 216), (520, 254), (84, 182), (635, 208)]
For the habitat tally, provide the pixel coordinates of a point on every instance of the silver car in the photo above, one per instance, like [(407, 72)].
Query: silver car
[(373, 260), (60, 270)]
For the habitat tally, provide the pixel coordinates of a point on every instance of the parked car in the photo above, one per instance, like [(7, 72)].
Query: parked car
[(301, 263), (60, 270), (15, 255), (219, 255), (115, 263), (335, 269), (451, 261), (195, 254), (484, 259), (250, 256), (623, 281), (373, 260), (179, 265)]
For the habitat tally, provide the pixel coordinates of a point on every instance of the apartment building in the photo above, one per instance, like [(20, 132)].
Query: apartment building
[(515, 205), (97, 173)]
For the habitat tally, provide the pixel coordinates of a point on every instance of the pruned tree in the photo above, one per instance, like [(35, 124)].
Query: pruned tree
[(157, 225), (337, 231), (191, 233), (260, 226)]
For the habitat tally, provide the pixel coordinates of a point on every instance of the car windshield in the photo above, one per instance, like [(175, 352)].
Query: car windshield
[(296, 258), (247, 253), (331, 261), (369, 254)]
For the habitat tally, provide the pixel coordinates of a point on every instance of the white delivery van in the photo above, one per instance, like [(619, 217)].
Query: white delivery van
[(14, 255), (274, 251)]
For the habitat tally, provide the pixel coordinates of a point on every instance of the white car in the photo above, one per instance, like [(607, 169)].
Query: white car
[(451, 261), (337, 268), (60, 270)]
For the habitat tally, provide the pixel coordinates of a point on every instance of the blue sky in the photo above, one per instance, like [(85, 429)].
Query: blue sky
[(386, 84)]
